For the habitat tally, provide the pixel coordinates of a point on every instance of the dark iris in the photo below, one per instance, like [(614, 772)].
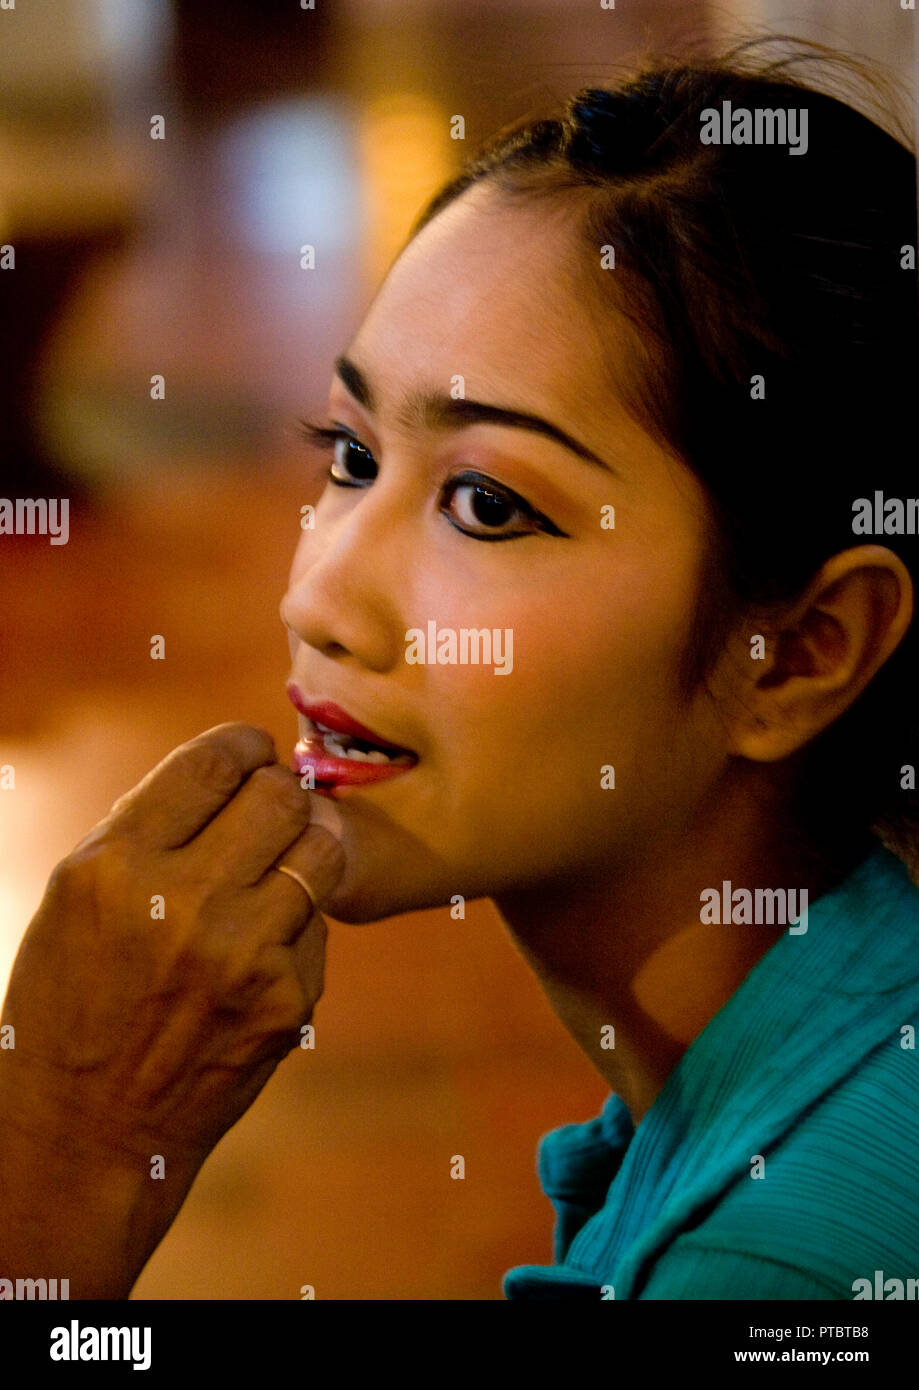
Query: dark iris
[(360, 463), (490, 509)]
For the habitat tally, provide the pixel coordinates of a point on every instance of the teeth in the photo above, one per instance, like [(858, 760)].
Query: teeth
[(333, 745), (339, 746)]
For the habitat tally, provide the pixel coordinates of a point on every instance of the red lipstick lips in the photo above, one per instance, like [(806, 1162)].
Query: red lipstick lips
[(340, 750)]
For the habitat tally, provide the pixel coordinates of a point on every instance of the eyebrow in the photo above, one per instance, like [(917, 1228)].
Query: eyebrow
[(432, 410)]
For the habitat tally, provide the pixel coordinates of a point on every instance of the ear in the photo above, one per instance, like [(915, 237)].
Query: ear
[(819, 655)]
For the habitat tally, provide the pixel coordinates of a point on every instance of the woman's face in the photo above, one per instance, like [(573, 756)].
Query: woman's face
[(508, 791)]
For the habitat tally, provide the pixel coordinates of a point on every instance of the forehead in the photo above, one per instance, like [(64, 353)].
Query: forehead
[(495, 291)]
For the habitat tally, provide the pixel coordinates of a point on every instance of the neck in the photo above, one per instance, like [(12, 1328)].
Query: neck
[(626, 947)]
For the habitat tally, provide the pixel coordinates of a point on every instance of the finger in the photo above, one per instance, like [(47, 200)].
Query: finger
[(282, 908), (256, 827), (318, 858), (308, 954), (187, 789)]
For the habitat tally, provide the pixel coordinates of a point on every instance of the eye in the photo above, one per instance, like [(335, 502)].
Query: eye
[(353, 465), (480, 501)]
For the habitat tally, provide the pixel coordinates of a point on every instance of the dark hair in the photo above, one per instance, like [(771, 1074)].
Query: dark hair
[(735, 261)]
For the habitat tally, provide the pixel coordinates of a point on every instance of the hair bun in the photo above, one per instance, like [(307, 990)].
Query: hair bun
[(614, 131)]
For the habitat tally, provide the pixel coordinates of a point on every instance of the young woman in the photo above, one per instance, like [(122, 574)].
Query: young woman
[(606, 615)]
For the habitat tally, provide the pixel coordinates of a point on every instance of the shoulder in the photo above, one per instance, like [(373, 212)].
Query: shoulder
[(830, 1203)]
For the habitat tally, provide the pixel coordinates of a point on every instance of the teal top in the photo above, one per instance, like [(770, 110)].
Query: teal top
[(812, 1067)]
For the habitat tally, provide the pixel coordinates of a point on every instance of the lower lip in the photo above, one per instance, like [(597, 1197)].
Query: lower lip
[(330, 772)]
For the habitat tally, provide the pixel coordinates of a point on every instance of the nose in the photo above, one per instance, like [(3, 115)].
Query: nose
[(348, 583)]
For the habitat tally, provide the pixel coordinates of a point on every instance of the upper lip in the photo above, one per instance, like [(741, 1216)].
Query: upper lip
[(332, 716)]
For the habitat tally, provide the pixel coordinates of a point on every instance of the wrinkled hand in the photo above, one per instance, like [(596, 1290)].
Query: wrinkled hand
[(169, 967)]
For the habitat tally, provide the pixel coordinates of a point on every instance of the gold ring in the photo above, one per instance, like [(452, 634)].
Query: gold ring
[(292, 873)]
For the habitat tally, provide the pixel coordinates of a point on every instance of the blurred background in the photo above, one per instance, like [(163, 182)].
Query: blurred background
[(137, 256)]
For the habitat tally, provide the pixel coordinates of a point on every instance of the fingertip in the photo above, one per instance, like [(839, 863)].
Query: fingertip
[(267, 741), (255, 744)]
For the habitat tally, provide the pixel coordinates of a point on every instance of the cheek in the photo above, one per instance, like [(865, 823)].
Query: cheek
[(593, 685), (586, 644)]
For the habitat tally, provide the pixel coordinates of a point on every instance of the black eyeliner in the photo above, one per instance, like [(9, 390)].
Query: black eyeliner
[(327, 436), (499, 490)]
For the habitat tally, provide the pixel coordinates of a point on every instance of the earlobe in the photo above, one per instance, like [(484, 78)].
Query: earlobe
[(822, 652)]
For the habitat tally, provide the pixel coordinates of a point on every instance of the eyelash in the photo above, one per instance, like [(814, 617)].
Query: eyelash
[(325, 438)]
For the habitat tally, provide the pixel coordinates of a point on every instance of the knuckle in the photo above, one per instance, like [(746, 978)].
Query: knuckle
[(245, 743), (85, 867), (280, 786), (99, 882), (253, 973), (121, 805), (68, 878), (283, 1012), (213, 763)]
